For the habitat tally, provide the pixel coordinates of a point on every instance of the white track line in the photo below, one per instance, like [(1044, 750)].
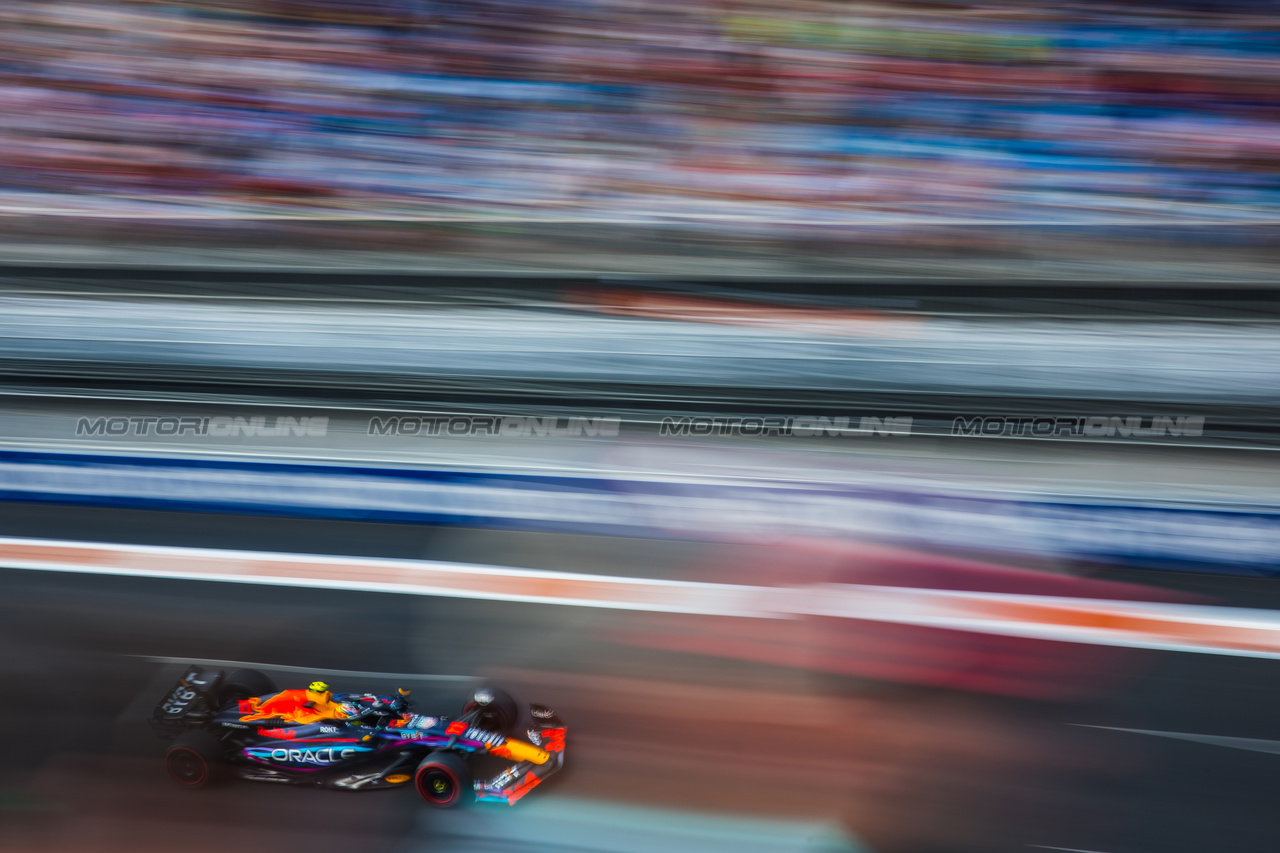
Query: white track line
[(1130, 624), (1251, 744), (414, 577)]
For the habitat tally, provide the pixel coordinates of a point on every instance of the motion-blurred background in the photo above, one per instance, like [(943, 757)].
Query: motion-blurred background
[(909, 368)]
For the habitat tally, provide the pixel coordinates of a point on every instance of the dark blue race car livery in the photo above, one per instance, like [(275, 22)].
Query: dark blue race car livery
[(241, 725)]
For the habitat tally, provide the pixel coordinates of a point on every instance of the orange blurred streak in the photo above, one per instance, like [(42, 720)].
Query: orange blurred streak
[(825, 321)]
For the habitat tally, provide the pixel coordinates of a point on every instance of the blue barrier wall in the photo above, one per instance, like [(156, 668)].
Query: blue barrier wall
[(1169, 536)]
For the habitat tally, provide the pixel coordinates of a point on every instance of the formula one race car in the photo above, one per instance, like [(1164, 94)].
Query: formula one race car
[(241, 724)]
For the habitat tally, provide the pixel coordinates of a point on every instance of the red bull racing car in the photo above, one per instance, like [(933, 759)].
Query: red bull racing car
[(241, 725)]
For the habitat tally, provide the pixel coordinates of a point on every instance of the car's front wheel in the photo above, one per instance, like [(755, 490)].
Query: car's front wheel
[(192, 759), (443, 779)]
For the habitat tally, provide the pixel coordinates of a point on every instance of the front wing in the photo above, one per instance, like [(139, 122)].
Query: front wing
[(509, 786)]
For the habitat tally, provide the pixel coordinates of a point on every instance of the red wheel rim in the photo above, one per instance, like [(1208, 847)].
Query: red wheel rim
[(186, 767), (438, 785)]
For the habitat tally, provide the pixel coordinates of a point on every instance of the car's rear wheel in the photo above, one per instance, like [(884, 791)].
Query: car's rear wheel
[(443, 779), (244, 683), (192, 759), (498, 711)]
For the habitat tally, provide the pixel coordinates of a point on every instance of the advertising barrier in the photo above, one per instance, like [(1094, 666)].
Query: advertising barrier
[(1193, 536)]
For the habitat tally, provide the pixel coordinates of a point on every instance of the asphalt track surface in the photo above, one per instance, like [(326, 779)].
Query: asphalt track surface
[(668, 750)]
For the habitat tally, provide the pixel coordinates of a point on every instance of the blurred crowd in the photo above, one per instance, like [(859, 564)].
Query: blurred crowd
[(724, 113)]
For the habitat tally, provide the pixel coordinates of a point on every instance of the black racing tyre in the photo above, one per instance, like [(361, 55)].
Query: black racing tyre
[(443, 779), (192, 759), (244, 683), (499, 714)]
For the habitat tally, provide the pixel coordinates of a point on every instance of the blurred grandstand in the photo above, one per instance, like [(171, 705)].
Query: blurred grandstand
[(898, 124)]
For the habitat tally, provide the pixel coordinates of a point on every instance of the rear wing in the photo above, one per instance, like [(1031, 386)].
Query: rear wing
[(192, 701)]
